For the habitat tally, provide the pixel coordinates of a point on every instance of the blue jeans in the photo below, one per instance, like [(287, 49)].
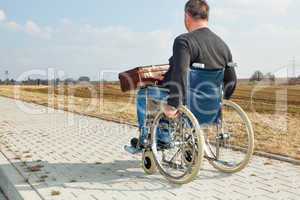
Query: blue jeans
[(156, 94)]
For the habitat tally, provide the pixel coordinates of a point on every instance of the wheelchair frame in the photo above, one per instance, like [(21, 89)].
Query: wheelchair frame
[(150, 163)]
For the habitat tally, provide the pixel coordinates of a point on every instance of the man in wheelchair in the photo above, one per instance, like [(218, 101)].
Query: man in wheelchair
[(199, 49)]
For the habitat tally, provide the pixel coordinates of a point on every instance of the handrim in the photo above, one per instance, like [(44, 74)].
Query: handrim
[(199, 148)]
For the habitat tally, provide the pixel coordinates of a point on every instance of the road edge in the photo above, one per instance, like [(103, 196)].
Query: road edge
[(13, 184)]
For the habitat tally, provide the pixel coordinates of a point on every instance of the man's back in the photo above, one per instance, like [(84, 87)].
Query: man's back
[(208, 48), (200, 46)]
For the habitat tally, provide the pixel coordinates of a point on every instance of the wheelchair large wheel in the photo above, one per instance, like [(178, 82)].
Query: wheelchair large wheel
[(181, 159), (230, 145)]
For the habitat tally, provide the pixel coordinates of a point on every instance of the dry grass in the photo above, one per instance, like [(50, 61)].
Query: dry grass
[(265, 98), (276, 131), (111, 105)]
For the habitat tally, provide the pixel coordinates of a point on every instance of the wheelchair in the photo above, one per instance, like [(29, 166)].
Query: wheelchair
[(207, 127)]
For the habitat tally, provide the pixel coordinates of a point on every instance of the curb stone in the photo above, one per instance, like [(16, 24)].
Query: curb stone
[(13, 184)]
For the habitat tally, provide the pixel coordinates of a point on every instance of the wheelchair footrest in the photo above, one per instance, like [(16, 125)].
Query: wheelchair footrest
[(229, 164)]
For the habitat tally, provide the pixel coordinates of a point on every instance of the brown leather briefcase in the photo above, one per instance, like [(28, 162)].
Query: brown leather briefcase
[(142, 76)]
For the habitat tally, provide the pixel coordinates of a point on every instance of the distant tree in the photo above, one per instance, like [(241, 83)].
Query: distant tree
[(84, 79), (270, 76), (257, 76), (44, 82), (6, 74), (69, 81), (12, 81), (57, 81)]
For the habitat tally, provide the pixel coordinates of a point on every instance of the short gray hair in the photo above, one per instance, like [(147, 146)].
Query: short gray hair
[(197, 9)]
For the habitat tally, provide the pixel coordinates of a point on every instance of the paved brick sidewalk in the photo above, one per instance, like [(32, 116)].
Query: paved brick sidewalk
[(67, 156)]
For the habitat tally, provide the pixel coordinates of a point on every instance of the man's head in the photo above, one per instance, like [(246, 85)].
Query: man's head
[(196, 14)]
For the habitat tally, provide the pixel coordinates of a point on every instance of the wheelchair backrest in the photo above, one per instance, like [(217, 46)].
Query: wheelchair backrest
[(205, 94)]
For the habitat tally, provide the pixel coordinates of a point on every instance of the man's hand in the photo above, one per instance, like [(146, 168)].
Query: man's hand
[(170, 111)]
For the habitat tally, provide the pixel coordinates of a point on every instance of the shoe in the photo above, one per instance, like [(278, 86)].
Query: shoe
[(132, 150), (134, 142)]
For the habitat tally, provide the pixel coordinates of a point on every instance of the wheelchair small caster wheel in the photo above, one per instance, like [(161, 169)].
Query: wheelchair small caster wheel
[(148, 162)]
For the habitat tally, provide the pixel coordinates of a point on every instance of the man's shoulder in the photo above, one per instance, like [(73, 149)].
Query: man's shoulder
[(183, 39), (216, 37), (200, 34), (184, 36)]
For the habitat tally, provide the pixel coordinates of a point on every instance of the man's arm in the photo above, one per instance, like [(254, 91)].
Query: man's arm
[(230, 81), (178, 72)]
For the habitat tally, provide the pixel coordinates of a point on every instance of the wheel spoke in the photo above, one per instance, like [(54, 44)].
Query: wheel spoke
[(231, 141), (180, 161), (175, 155)]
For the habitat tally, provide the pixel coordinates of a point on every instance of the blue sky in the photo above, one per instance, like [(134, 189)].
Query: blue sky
[(88, 37)]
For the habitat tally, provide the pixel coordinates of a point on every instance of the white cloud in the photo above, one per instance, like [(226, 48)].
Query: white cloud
[(30, 27), (235, 10), (2, 15), (13, 25), (263, 34), (109, 37), (66, 21), (90, 49), (277, 7), (34, 29), (264, 47)]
